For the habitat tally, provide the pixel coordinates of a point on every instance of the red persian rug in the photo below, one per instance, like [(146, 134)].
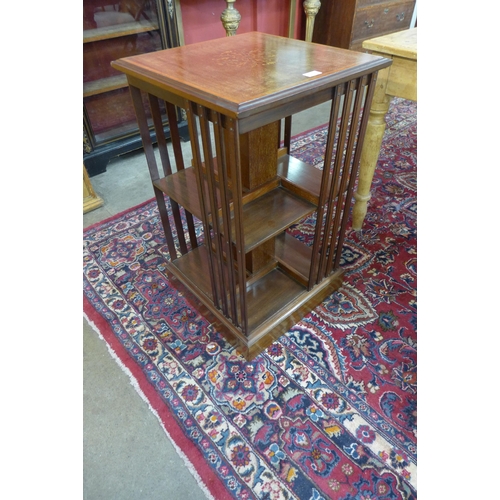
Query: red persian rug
[(327, 411)]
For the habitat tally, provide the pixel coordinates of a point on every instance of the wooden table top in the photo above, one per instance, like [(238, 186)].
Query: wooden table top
[(246, 73), (402, 44)]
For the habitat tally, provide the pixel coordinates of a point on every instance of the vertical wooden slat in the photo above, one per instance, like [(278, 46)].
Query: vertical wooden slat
[(160, 135), (200, 184), (355, 162), (174, 135), (167, 168), (144, 131), (225, 197), (340, 206), (287, 133), (152, 166), (167, 229), (233, 159), (179, 163), (220, 301), (328, 238), (337, 162), (332, 124)]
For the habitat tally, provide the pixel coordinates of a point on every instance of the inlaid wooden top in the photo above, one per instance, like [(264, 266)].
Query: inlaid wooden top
[(249, 72), (402, 44)]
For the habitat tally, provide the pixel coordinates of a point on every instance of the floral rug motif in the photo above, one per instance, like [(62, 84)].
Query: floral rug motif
[(326, 412)]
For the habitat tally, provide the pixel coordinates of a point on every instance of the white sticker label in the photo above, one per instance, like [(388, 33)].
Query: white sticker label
[(312, 73)]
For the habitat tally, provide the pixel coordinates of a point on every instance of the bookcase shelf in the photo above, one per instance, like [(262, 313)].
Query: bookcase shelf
[(247, 273), (110, 31), (104, 85), (118, 30), (271, 214), (286, 293)]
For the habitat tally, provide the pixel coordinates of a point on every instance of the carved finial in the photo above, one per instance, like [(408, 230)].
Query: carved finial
[(311, 8), (230, 18)]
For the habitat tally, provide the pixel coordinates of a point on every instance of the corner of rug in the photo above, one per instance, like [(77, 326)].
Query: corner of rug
[(135, 385)]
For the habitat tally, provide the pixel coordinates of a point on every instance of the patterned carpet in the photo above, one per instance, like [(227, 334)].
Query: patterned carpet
[(327, 411)]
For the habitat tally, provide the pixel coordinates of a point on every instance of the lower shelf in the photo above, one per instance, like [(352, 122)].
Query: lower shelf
[(275, 302)]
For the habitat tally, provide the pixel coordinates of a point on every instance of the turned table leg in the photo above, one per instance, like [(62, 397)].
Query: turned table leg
[(371, 148)]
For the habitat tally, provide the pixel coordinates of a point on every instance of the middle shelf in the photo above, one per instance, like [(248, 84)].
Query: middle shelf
[(294, 196)]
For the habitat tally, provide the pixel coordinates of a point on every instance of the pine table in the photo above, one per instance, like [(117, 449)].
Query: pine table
[(398, 80)]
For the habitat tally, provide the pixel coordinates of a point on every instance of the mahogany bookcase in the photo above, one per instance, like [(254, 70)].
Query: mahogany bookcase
[(252, 277)]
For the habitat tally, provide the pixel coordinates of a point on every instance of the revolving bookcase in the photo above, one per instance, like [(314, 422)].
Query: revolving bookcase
[(240, 93)]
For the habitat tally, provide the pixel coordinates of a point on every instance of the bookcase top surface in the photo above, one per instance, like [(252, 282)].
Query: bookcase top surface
[(245, 73)]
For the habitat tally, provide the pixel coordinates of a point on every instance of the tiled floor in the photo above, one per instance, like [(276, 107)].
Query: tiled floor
[(127, 455)]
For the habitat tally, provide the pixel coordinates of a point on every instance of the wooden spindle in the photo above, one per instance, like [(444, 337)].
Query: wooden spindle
[(232, 130), (200, 183), (287, 133), (216, 246), (153, 167), (179, 163), (357, 156), (161, 141), (342, 208), (328, 241), (329, 238), (225, 196), (325, 176)]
